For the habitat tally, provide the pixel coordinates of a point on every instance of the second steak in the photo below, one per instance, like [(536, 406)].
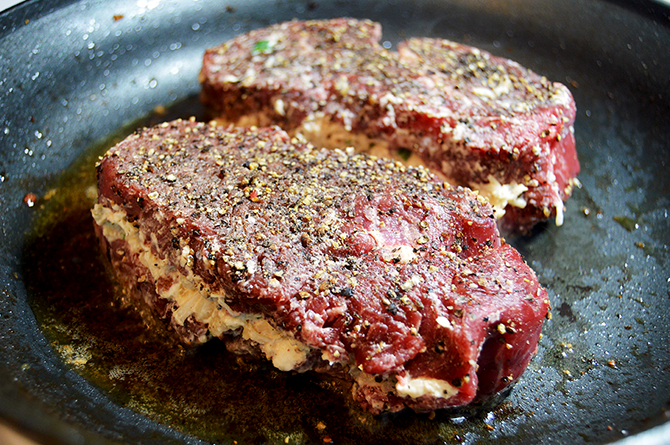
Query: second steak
[(476, 119)]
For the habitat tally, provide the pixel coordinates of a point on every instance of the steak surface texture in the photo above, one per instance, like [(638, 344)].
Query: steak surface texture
[(319, 259), (476, 119)]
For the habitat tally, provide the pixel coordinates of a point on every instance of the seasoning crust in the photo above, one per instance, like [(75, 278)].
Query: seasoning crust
[(323, 260), (476, 119)]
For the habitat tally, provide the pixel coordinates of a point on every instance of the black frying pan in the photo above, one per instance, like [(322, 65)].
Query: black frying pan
[(75, 365)]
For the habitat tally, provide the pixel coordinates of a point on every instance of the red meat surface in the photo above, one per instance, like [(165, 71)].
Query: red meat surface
[(468, 115), (382, 270)]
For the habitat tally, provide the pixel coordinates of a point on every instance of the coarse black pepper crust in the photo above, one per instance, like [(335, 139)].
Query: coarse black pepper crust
[(467, 114), (378, 267)]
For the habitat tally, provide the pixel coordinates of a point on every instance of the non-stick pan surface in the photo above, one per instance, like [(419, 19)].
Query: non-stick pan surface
[(74, 74)]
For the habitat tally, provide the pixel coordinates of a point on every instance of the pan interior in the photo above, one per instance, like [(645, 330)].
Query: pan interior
[(84, 75)]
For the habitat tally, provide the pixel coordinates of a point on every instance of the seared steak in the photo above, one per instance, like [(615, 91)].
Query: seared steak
[(476, 119), (320, 259)]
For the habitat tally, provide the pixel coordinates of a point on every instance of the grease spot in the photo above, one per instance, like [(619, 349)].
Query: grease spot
[(627, 223)]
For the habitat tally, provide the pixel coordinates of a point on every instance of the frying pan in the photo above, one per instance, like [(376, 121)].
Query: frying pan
[(76, 366)]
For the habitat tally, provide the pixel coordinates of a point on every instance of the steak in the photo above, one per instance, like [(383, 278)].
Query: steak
[(319, 259), (476, 119)]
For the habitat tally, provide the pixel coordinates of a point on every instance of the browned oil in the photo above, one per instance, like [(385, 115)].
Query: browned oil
[(204, 392)]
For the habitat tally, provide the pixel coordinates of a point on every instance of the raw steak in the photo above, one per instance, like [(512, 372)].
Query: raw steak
[(475, 119), (320, 260)]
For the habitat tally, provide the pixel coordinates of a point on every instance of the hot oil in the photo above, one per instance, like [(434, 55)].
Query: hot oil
[(204, 392)]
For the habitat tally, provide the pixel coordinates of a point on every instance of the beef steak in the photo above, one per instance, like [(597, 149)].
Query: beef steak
[(320, 259), (478, 120)]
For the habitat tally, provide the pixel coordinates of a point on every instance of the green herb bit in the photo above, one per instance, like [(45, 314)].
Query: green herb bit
[(262, 47)]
